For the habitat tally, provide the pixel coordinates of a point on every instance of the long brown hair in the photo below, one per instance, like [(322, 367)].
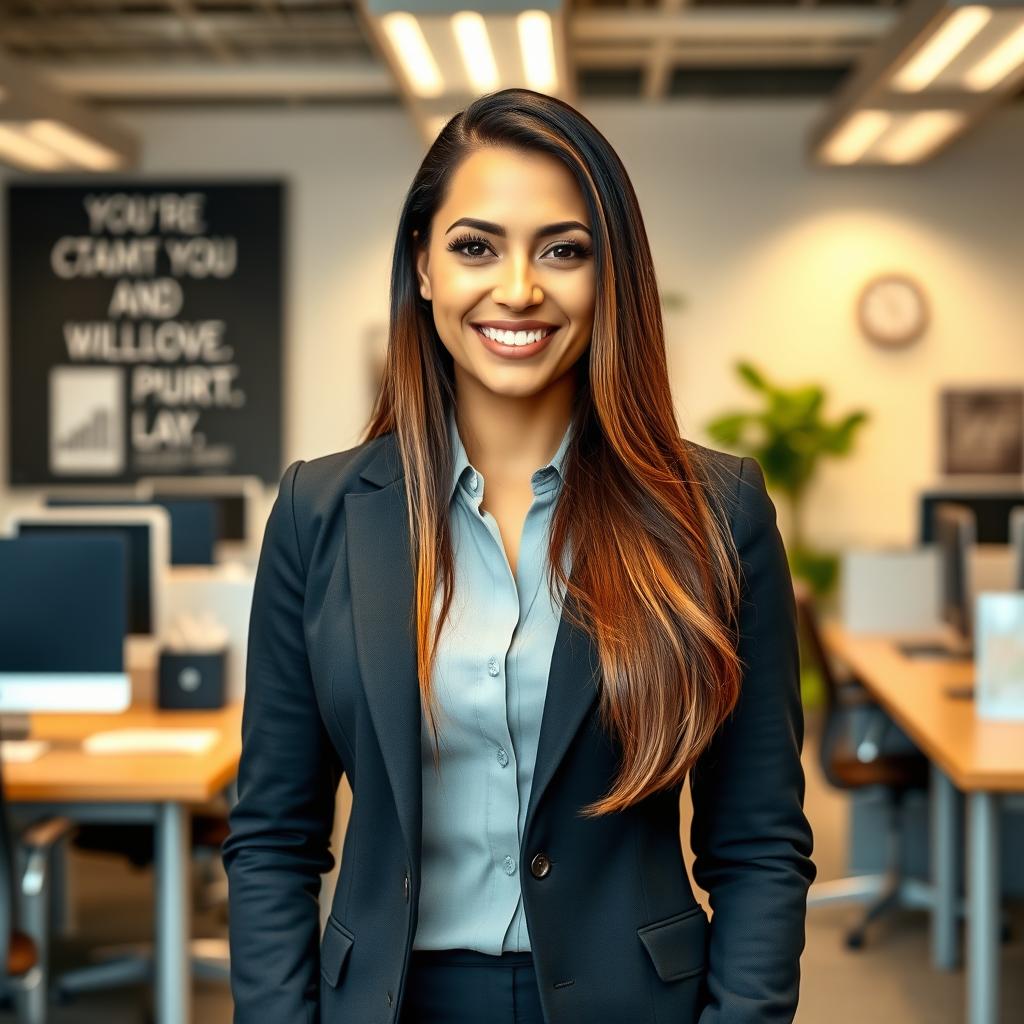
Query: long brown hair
[(654, 571)]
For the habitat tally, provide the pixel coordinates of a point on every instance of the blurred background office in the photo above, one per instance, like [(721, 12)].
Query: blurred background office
[(200, 205)]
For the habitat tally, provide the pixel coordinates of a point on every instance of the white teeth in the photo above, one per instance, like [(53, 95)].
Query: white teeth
[(515, 338)]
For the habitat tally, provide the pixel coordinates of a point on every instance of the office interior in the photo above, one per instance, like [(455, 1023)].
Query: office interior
[(808, 220)]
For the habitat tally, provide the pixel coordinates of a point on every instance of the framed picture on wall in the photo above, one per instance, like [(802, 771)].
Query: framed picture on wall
[(145, 329), (983, 431)]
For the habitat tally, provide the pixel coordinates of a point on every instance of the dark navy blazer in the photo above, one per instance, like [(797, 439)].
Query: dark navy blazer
[(616, 933)]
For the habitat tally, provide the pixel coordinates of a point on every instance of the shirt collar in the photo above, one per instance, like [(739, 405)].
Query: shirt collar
[(546, 477)]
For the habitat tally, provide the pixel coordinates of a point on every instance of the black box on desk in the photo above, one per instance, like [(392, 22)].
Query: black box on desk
[(191, 680)]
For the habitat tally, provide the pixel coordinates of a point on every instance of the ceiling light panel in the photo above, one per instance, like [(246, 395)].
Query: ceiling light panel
[(969, 37), (924, 84)]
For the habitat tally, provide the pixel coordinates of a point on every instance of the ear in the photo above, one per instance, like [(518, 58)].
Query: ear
[(422, 259)]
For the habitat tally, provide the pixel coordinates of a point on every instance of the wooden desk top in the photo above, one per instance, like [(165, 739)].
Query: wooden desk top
[(65, 773), (976, 754)]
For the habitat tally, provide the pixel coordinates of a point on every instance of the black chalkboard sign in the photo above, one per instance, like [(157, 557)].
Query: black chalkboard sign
[(145, 330)]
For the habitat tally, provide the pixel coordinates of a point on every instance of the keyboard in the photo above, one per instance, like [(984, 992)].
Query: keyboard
[(150, 741)]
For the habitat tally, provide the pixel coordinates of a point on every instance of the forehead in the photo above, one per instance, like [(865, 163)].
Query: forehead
[(513, 188)]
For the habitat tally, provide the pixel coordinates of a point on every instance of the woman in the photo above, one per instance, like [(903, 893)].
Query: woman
[(517, 616)]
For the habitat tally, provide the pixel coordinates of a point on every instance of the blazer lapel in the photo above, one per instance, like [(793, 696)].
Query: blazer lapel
[(381, 583)]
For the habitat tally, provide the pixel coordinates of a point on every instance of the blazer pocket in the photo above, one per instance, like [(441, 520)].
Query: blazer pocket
[(334, 949), (677, 944)]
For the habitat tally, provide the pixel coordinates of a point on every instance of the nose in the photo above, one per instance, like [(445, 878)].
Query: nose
[(518, 287)]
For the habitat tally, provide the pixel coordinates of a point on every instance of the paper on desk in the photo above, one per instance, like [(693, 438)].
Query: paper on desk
[(999, 655), (22, 751), (150, 741)]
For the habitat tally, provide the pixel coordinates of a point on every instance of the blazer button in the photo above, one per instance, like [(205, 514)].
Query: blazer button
[(406, 887), (540, 865), (388, 998)]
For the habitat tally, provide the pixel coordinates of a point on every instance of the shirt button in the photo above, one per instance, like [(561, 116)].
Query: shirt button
[(492, 665), (473, 481), (502, 757), (510, 866)]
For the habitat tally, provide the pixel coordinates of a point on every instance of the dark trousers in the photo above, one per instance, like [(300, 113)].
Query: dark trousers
[(465, 986)]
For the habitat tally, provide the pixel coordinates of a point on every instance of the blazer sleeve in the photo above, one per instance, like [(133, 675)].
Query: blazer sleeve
[(280, 826), (750, 838)]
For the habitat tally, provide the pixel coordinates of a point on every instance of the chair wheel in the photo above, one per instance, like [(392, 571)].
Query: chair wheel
[(854, 940)]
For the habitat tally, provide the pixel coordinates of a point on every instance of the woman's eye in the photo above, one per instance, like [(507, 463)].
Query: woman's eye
[(575, 249), (569, 250)]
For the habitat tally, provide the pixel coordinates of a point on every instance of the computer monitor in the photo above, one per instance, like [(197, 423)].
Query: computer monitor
[(194, 522), (238, 497), (147, 534), (63, 617), (1016, 533), (955, 535)]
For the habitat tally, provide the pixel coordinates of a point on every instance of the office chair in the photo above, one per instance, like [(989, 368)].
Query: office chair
[(24, 899), (857, 765), (132, 963)]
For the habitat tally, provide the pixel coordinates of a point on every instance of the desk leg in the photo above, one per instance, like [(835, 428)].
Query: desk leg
[(173, 968), (983, 909), (944, 845)]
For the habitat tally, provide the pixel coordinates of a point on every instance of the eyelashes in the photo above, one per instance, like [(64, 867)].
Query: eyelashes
[(579, 250)]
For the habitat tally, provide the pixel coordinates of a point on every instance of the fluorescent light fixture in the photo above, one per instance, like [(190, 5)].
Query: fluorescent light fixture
[(536, 43), (77, 148), (936, 54), (475, 46), (418, 63), (993, 68), (856, 136), (18, 149), (920, 134)]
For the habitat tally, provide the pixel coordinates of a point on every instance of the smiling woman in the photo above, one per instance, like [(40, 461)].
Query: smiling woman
[(518, 616)]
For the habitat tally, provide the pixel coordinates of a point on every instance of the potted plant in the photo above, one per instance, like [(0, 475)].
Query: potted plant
[(788, 437)]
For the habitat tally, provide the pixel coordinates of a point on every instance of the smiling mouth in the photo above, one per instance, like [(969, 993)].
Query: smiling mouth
[(511, 345)]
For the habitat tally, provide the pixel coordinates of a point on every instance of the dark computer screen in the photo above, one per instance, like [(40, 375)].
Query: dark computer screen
[(230, 512), (138, 569), (63, 603), (954, 534), (194, 523), (991, 510)]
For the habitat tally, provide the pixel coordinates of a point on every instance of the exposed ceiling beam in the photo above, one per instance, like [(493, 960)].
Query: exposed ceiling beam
[(733, 23), (744, 55), (28, 98), (659, 62), (179, 29), (353, 79)]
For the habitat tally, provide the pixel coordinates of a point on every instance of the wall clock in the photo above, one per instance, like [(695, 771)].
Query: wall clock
[(892, 310)]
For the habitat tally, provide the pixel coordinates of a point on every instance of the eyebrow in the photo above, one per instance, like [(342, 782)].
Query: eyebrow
[(497, 229)]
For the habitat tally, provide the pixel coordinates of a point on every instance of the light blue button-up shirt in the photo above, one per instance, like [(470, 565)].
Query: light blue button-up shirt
[(490, 682)]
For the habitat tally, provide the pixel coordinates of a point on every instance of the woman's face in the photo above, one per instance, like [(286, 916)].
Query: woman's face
[(517, 267)]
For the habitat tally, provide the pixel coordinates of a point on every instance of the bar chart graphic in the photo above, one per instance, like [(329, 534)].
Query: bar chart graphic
[(87, 420)]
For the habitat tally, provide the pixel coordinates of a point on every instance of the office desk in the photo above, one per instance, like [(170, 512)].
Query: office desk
[(151, 787), (983, 759)]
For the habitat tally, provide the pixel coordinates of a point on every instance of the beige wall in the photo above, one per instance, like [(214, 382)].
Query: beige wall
[(768, 251)]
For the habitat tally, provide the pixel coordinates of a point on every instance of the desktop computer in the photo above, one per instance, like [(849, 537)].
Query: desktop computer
[(63, 619), (146, 531), (1016, 530), (238, 499), (955, 531), (195, 522)]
